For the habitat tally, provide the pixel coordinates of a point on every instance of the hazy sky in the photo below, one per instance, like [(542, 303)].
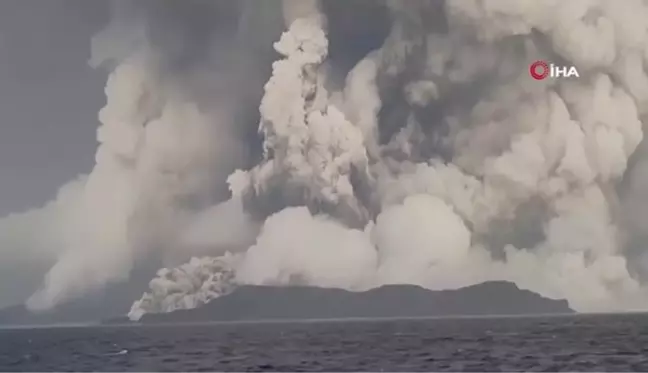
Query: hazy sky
[(49, 97)]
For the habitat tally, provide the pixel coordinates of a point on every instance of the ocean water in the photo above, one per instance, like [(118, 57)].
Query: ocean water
[(571, 343)]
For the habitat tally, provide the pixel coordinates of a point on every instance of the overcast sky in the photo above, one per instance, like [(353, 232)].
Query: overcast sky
[(49, 97)]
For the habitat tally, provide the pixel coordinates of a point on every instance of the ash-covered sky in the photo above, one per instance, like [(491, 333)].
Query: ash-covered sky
[(49, 97)]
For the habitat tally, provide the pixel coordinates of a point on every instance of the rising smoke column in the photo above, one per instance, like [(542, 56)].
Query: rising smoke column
[(162, 157), (310, 148), (167, 142)]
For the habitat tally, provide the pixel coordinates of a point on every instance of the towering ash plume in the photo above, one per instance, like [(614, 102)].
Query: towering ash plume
[(171, 132), (310, 148), (144, 182), (434, 160)]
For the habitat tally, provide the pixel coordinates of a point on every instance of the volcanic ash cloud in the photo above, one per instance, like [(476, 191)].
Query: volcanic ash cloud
[(435, 159)]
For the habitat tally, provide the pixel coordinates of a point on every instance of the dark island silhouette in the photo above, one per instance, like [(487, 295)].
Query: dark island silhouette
[(250, 303)]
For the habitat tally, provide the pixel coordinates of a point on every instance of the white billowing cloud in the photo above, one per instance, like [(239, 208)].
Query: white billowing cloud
[(417, 236), (296, 246)]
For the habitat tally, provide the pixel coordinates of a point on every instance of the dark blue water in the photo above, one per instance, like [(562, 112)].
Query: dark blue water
[(582, 343)]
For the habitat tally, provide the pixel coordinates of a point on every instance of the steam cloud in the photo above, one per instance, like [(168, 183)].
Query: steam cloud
[(434, 160)]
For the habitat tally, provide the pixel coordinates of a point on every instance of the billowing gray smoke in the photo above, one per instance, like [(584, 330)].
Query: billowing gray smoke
[(433, 158), (191, 285), (174, 126)]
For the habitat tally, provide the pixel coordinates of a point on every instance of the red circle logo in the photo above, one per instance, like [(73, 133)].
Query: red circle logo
[(539, 70)]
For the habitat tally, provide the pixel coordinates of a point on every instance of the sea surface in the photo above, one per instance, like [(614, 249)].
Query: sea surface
[(559, 343)]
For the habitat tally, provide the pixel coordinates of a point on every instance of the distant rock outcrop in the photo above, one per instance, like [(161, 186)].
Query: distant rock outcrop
[(248, 303)]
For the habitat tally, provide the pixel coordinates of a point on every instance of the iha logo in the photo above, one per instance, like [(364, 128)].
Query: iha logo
[(540, 70)]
